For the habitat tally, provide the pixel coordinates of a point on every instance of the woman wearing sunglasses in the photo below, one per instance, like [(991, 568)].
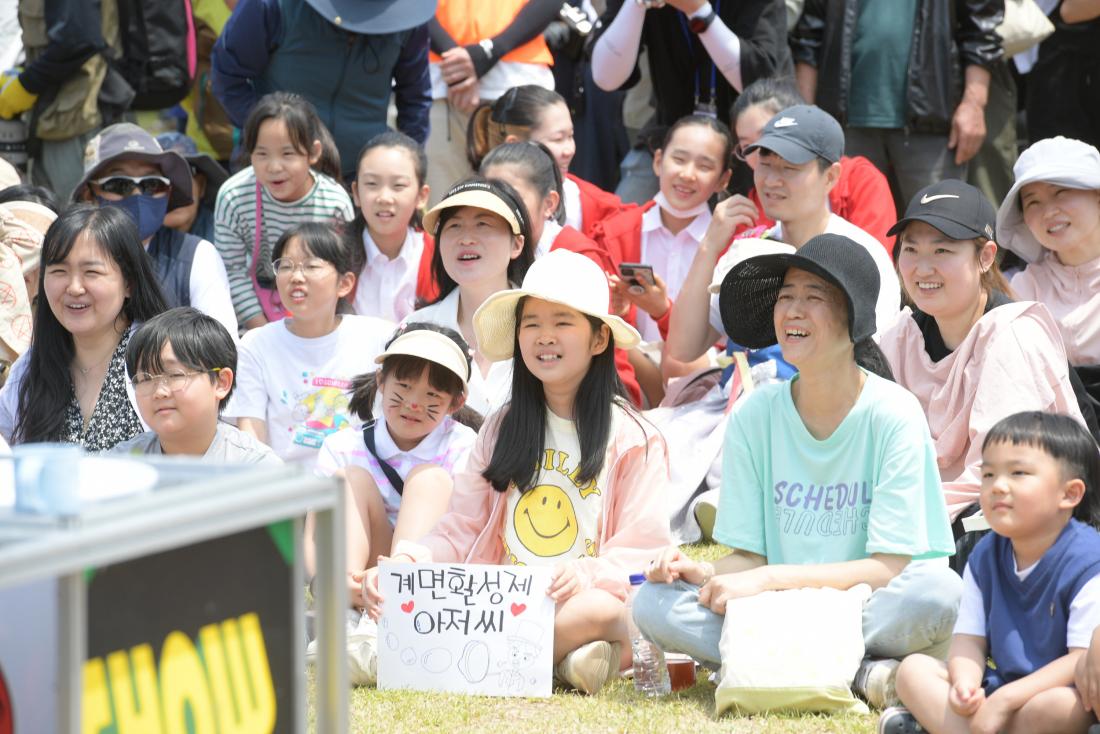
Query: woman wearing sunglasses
[(127, 169), (71, 385)]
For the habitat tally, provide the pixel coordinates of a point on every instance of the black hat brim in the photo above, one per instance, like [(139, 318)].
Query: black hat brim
[(949, 227)]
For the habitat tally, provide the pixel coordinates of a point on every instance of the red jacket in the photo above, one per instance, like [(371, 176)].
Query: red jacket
[(862, 196), (427, 290), (621, 237), (596, 204), (571, 239)]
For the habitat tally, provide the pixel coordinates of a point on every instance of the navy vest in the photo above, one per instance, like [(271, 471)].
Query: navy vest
[(1026, 620), (173, 254), (347, 76)]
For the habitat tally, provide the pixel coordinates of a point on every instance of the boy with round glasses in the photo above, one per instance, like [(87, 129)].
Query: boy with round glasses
[(182, 364), (125, 167)]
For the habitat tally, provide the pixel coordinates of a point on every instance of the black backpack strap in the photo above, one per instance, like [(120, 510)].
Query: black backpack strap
[(391, 474)]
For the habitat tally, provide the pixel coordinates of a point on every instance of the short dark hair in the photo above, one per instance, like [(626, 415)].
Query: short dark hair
[(30, 192), (329, 242), (200, 343), (1064, 440)]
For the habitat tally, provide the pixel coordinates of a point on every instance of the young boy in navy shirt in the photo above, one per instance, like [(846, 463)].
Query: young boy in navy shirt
[(1031, 592)]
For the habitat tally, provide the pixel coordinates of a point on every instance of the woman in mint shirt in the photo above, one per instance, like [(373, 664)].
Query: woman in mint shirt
[(829, 480)]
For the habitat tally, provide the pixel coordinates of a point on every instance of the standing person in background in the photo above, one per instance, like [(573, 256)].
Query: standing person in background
[(480, 49), (701, 55), (1063, 97), (908, 79), (345, 56), (67, 85)]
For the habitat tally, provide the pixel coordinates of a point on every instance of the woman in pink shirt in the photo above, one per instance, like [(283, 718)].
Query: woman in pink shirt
[(1051, 219), (968, 352)]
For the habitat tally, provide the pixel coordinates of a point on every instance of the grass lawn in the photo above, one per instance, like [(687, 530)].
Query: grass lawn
[(617, 708)]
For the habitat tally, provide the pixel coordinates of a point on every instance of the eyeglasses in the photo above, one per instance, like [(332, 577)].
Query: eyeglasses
[(125, 185), (311, 269), (739, 151), (146, 384)]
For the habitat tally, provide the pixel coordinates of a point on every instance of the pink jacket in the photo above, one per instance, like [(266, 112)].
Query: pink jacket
[(633, 523), (1072, 293), (1011, 361)]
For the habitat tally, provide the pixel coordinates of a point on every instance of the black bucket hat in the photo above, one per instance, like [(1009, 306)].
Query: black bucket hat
[(751, 288)]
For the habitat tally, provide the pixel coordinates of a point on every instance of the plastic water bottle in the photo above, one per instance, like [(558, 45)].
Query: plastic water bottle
[(650, 671)]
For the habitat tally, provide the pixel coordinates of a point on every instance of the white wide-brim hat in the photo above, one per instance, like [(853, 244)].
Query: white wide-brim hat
[(432, 346), (1059, 161), (560, 276)]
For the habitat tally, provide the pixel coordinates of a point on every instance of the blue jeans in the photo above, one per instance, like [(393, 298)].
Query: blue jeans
[(915, 612)]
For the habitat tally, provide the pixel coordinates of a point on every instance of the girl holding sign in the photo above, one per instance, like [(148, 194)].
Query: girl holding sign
[(566, 474)]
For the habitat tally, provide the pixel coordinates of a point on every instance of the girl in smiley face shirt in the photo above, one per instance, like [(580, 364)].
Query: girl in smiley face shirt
[(566, 474)]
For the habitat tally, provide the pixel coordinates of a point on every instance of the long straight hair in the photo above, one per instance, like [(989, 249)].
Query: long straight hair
[(522, 434), (47, 386)]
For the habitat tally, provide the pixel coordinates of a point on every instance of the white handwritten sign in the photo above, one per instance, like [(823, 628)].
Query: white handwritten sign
[(466, 628)]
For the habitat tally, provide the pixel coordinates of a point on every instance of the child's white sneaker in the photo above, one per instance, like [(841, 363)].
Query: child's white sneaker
[(590, 667), (362, 646)]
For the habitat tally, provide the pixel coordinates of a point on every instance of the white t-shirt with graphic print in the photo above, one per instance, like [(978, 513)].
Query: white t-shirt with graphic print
[(299, 386)]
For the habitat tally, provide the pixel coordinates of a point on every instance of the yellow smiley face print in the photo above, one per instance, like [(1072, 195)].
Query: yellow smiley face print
[(545, 521)]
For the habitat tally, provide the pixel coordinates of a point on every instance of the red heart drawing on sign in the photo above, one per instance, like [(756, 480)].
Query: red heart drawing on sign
[(518, 609), (407, 606)]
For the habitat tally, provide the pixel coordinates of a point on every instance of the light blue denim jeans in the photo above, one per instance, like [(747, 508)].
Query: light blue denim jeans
[(915, 612)]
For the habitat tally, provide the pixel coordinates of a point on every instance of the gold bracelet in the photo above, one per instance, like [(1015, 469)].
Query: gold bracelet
[(708, 572)]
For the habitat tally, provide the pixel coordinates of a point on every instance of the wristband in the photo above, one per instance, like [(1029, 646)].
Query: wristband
[(700, 23), (708, 572)]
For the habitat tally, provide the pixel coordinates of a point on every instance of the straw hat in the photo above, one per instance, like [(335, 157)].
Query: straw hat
[(562, 277)]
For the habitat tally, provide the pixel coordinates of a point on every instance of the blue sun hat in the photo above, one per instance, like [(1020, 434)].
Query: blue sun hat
[(375, 17)]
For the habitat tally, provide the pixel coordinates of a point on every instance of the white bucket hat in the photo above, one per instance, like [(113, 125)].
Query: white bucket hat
[(1060, 161), (741, 250), (432, 346), (559, 276)]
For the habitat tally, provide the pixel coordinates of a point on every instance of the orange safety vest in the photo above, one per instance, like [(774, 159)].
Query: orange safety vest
[(470, 21)]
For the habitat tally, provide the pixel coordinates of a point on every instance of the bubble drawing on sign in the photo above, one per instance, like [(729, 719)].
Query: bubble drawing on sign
[(436, 660), (474, 663), (466, 628)]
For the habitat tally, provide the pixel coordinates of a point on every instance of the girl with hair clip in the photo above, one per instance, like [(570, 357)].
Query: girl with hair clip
[(398, 470), (294, 373), (968, 352), (71, 384), (389, 191), (1051, 219), (483, 245), (293, 177), (530, 112), (604, 488), (829, 479), (529, 168)]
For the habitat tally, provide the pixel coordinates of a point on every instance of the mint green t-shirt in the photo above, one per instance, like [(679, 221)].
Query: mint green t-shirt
[(871, 487), (880, 63)]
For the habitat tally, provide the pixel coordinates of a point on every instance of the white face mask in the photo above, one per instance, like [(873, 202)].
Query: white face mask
[(663, 202)]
